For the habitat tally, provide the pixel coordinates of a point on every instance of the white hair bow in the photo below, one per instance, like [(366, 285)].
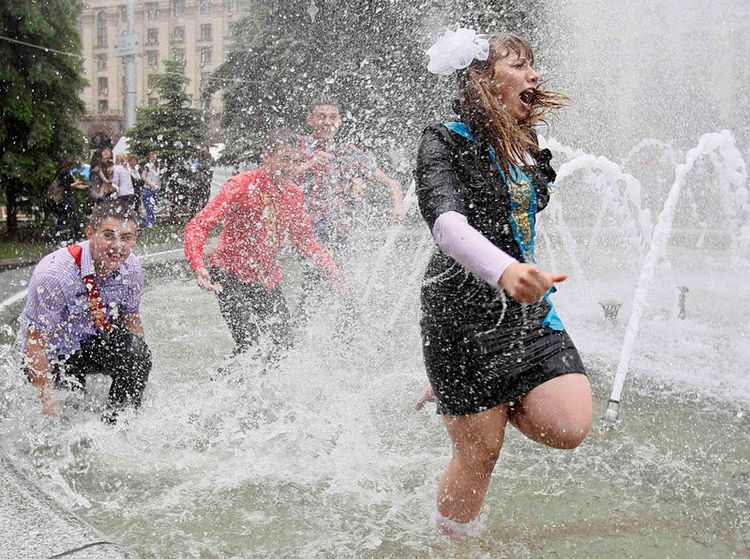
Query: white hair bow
[(455, 50)]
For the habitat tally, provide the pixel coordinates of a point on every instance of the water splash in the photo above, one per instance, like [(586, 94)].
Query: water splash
[(721, 143)]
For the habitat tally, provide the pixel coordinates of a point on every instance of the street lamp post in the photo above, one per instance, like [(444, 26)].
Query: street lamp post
[(130, 77)]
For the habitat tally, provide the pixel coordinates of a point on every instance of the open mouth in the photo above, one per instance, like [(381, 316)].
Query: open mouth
[(528, 97)]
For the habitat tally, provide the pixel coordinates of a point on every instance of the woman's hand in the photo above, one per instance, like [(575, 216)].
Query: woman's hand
[(204, 281), (528, 284)]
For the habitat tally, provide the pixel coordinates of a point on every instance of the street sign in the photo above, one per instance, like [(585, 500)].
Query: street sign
[(126, 45)]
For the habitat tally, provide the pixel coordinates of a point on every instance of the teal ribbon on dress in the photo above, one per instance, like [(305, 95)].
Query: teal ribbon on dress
[(523, 210)]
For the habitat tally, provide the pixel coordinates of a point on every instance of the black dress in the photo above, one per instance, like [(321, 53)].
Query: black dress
[(481, 347), (67, 211)]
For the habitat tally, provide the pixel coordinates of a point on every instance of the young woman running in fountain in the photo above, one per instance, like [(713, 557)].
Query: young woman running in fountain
[(495, 350)]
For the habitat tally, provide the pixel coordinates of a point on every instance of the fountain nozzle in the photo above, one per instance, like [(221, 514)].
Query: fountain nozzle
[(612, 413), (683, 295), (610, 307)]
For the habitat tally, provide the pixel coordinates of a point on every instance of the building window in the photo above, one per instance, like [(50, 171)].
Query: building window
[(101, 61), (79, 27), (123, 13), (179, 34), (103, 106), (152, 36), (101, 30), (153, 101), (205, 55), (152, 9), (101, 86), (178, 8), (179, 55), (152, 81), (205, 32), (152, 57), (233, 6), (207, 7)]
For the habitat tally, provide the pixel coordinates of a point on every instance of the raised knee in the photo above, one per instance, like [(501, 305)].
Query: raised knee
[(570, 435), (137, 357)]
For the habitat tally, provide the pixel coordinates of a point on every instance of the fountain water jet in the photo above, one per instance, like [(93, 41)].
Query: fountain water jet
[(722, 142), (670, 152), (390, 242)]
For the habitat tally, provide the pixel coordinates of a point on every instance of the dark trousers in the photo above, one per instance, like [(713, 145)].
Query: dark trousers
[(130, 200), (67, 216), (122, 355), (250, 309)]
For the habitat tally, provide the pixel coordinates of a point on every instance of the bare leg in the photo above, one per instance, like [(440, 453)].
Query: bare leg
[(477, 440), (556, 413)]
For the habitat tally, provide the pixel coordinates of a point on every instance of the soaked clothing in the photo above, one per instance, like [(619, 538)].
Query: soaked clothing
[(58, 305), (257, 216), (121, 355), (481, 347), (250, 310), (326, 190)]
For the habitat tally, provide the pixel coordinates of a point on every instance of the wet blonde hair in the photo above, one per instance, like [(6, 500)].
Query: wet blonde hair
[(121, 158), (485, 115)]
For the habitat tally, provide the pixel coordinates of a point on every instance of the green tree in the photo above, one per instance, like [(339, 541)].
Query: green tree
[(369, 55), (39, 98), (174, 129)]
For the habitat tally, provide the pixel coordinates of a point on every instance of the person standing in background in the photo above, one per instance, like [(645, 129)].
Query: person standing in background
[(123, 181), (134, 169), (65, 204), (203, 173), (151, 176), (100, 186)]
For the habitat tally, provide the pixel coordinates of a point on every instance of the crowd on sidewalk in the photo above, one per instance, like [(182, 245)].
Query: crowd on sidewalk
[(127, 177)]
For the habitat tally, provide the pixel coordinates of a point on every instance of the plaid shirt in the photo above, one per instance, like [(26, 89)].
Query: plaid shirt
[(325, 190), (58, 305)]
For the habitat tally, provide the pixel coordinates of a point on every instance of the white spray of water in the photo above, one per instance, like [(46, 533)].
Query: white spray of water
[(670, 152), (723, 143), (630, 198), (390, 243)]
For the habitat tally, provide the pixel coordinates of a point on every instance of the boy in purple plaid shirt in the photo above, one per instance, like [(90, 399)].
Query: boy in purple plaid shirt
[(82, 314)]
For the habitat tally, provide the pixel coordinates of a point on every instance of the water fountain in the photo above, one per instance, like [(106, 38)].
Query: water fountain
[(325, 457), (732, 171)]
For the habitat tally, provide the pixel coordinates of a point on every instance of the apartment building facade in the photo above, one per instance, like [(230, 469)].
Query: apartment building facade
[(197, 32)]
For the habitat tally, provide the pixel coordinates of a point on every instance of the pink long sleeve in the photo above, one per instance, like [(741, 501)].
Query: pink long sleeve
[(470, 248)]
